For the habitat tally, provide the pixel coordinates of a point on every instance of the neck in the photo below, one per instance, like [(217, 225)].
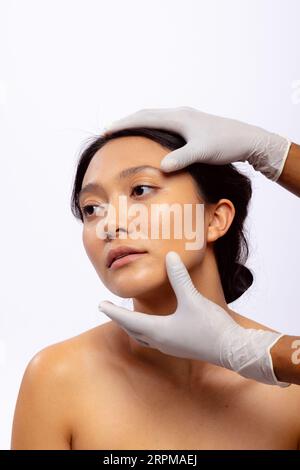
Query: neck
[(206, 279)]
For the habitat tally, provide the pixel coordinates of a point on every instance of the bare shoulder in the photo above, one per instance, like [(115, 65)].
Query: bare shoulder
[(63, 359), (49, 388)]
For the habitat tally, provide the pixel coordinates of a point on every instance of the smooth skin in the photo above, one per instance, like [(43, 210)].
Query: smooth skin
[(218, 140), (103, 390)]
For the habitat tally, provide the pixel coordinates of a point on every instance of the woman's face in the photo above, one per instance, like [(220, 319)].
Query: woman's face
[(147, 273)]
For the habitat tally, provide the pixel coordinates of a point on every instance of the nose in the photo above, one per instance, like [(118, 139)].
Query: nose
[(113, 233), (115, 220)]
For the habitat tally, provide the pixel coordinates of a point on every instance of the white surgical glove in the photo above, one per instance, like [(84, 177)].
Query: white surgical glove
[(200, 329), (212, 139)]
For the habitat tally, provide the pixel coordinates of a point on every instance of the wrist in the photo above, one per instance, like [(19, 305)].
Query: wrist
[(270, 154), (277, 360), (285, 355), (247, 352)]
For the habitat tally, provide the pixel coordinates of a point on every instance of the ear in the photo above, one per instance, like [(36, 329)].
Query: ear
[(220, 219)]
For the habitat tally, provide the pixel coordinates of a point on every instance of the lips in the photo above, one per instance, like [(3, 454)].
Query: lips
[(120, 252)]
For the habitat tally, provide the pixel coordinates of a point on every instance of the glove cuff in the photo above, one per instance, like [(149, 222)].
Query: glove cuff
[(248, 354), (270, 365), (271, 160)]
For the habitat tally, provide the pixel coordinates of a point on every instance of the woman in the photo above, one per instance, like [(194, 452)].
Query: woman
[(104, 390)]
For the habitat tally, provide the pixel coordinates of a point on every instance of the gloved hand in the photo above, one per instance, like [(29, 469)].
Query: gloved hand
[(212, 139), (200, 329)]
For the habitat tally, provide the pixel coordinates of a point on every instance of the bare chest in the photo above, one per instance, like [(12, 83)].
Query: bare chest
[(152, 415)]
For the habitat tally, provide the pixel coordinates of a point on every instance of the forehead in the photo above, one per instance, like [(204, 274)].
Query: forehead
[(122, 153)]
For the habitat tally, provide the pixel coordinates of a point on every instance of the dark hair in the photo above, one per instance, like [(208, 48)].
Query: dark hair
[(215, 182)]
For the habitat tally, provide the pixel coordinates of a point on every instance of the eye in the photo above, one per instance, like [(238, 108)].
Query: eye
[(141, 186), (88, 209)]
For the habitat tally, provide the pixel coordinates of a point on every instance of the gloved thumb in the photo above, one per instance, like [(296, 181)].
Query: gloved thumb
[(179, 277)]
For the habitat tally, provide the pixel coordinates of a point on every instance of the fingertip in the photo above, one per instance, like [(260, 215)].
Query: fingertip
[(102, 304), (110, 131), (168, 164), (173, 258)]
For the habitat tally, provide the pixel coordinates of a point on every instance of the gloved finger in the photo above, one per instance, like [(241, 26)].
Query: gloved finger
[(136, 321), (177, 159), (182, 157), (150, 117), (179, 277)]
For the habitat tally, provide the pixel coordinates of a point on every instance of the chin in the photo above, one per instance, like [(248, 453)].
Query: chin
[(136, 291), (137, 284)]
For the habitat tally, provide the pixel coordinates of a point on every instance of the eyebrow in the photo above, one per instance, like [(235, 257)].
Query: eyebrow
[(90, 187)]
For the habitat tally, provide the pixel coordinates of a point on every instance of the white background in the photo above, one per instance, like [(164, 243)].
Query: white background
[(69, 68)]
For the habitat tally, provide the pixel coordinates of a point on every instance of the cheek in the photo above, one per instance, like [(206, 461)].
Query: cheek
[(185, 229), (86, 240), (191, 242), (145, 275), (189, 257), (91, 244)]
